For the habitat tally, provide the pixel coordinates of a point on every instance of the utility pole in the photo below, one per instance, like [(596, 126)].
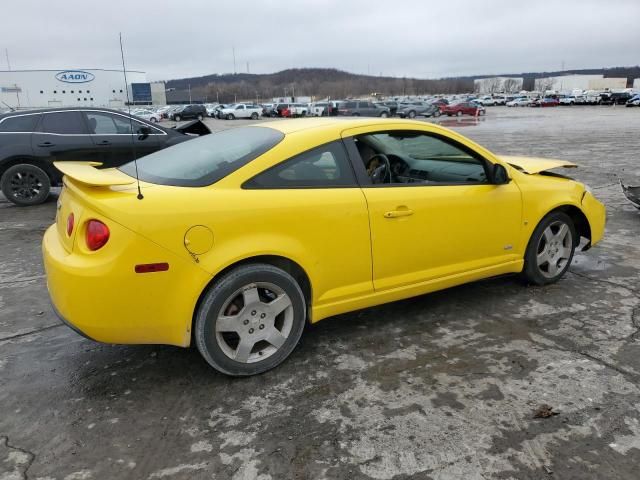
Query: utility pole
[(189, 93), (233, 50), (6, 52)]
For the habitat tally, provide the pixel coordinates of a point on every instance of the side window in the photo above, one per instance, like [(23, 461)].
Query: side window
[(325, 166), (67, 123), (418, 157), (21, 123), (240, 107), (101, 123)]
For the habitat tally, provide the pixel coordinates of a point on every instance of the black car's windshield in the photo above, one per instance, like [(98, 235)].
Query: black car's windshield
[(205, 160)]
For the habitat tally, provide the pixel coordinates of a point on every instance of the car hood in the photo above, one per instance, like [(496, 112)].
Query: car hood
[(533, 165)]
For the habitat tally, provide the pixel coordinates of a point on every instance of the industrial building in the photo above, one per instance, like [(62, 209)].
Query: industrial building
[(568, 83), (498, 84), (77, 87)]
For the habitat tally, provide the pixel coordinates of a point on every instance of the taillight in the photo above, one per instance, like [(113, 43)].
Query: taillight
[(97, 234), (70, 222)]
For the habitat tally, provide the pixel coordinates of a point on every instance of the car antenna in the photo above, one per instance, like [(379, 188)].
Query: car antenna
[(133, 141)]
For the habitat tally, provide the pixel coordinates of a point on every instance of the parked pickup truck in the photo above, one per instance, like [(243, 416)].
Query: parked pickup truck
[(241, 110), (299, 109)]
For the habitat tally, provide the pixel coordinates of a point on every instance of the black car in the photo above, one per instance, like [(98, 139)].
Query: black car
[(189, 112), (30, 141)]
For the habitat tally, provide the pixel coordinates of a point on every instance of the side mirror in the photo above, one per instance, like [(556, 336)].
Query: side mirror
[(143, 132), (500, 175)]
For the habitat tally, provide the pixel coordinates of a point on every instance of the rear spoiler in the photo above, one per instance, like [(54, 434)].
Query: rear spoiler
[(87, 173), (195, 127)]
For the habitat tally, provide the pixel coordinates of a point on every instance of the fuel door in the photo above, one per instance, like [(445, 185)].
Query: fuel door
[(198, 240)]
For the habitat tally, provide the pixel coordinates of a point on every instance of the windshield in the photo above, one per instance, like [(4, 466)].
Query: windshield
[(205, 160)]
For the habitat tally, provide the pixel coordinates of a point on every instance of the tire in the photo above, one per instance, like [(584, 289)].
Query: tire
[(220, 341), (411, 114), (153, 120), (549, 246), (254, 116), (459, 113), (437, 113), (230, 116), (384, 115), (356, 114), (482, 112), (200, 117), (25, 184), (177, 118)]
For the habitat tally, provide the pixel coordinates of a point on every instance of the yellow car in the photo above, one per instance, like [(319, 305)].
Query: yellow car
[(241, 237)]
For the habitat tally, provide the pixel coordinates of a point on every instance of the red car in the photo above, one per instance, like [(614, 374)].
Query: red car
[(463, 108), (546, 102)]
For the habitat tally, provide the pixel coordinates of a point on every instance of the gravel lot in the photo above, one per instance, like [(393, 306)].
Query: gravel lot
[(443, 386)]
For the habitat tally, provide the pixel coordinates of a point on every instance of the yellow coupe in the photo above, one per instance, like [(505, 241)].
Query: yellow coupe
[(243, 236)]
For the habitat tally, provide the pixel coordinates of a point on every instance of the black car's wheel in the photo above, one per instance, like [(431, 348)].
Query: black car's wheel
[(25, 184), (254, 116), (200, 117), (177, 118), (384, 115), (251, 320), (412, 114), (550, 250)]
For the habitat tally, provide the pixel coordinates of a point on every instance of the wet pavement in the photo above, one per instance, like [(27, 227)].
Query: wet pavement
[(443, 386)]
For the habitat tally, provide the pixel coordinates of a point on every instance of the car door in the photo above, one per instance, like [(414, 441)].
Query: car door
[(439, 215), (314, 198), (63, 136), (113, 141), (241, 111)]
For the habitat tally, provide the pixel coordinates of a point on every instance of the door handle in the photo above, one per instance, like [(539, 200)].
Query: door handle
[(104, 142), (46, 144), (398, 213)]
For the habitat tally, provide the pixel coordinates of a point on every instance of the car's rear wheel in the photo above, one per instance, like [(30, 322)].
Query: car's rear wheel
[(251, 320), (177, 118), (153, 120), (200, 117), (412, 114), (384, 115), (254, 116), (459, 113), (25, 184), (230, 116), (550, 250)]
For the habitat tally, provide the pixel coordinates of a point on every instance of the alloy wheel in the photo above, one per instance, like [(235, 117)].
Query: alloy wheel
[(25, 185), (554, 249), (254, 322)]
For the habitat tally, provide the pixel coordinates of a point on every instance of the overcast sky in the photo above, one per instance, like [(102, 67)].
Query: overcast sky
[(418, 38)]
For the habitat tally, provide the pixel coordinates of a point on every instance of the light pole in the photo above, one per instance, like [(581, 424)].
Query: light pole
[(189, 93)]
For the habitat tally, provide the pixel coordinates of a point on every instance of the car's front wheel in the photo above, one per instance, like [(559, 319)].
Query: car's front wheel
[(254, 116), (177, 118), (25, 184), (230, 116), (200, 117), (550, 250), (251, 320)]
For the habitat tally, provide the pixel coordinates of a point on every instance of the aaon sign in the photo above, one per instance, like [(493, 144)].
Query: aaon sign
[(75, 76)]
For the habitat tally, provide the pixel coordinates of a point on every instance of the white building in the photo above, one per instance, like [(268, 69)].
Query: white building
[(76, 87), (498, 85), (569, 83)]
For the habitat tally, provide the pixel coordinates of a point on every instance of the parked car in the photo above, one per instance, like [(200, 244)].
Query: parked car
[(121, 270), (566, 99), (519, 102), (617, 98), (211, 109), (418, 109), (392, 106), (299, 109), (269, 110), (485, 101), (545, 102), (283, 110), (30, 141), (463, 108), (633, 101), (241, 110), (147, 115), (362, 108), (189, 112)]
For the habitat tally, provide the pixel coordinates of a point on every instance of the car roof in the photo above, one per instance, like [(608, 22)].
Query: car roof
[(63, 109), (339, 124)]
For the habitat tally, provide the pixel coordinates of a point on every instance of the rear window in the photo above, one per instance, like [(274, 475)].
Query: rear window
[(205, 160)]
